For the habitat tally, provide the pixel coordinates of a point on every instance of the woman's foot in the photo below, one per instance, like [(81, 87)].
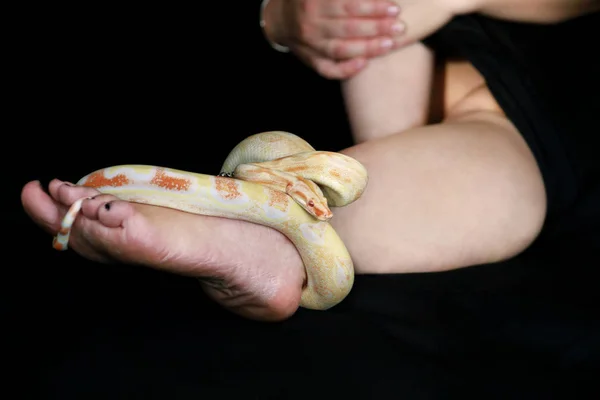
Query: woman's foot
[(250, 269)]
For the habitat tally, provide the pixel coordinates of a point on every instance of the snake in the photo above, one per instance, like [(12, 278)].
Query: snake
[(273, 178)]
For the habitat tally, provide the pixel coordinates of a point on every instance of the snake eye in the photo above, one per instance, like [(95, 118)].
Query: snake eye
[(311, 203)]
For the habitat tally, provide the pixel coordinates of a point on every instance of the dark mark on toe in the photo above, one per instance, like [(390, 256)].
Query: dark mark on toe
[(107, 206)]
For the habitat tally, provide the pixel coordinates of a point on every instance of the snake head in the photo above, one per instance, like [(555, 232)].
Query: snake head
[(318, 210), (312, 203)]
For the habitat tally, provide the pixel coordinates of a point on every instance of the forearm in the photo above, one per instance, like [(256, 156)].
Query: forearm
[(443, 197), (532, 11), (391, 94)]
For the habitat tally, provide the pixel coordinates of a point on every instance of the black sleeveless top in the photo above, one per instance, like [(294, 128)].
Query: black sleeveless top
[(544, 81)]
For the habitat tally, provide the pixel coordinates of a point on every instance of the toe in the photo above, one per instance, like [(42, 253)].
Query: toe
[(40, 207), (113, 213), (66, 193), (91, 207), (53, 187)]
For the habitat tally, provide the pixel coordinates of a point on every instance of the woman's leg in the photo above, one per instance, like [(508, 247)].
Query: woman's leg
[(462, 192)]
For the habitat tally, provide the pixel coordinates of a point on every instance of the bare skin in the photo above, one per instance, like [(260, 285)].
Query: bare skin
[(245, 279), (442, 196)]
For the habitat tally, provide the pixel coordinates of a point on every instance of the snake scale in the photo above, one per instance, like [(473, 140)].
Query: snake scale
[(274, 179)]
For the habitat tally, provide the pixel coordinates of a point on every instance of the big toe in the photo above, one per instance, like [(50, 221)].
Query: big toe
[(40, 207)]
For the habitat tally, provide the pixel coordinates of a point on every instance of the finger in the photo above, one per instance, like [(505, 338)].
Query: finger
[(359, 8), (339, 70), (53, 187), (338, 49), (362, 28)]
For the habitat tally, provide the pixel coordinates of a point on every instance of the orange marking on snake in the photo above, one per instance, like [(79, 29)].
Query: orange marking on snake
[(162, 180), (319, 212), (278, 200), (57, 245), (298, 168), (265, 171), (335, 173), (227, 188), (63, 231), (261, 182), (97, 179)]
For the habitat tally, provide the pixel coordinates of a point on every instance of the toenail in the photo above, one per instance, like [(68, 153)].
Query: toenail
[(107, 206)]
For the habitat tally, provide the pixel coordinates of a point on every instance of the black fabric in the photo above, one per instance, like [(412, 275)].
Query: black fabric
[(526, 328), (539, 306), (545, 83)]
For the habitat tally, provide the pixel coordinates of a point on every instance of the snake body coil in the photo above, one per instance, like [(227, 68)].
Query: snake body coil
[(278, 180)]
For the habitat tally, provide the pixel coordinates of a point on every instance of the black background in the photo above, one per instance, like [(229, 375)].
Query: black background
[(96, 86)]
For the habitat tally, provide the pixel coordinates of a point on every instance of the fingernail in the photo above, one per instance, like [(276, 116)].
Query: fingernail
[(387, 43), (398, 27), (393, 11)]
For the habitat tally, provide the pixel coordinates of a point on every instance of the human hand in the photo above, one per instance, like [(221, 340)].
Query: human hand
[(424, 17), (335, 37)]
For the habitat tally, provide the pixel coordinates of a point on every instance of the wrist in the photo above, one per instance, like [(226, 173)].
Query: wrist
[(271, 17)]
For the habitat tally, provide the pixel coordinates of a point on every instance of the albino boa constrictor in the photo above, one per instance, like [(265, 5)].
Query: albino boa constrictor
[(274, 179)]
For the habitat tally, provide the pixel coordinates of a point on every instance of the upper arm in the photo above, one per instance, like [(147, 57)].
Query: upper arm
[(535, 11)]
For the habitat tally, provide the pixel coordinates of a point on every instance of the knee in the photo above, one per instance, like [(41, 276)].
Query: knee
[(515, 179)]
